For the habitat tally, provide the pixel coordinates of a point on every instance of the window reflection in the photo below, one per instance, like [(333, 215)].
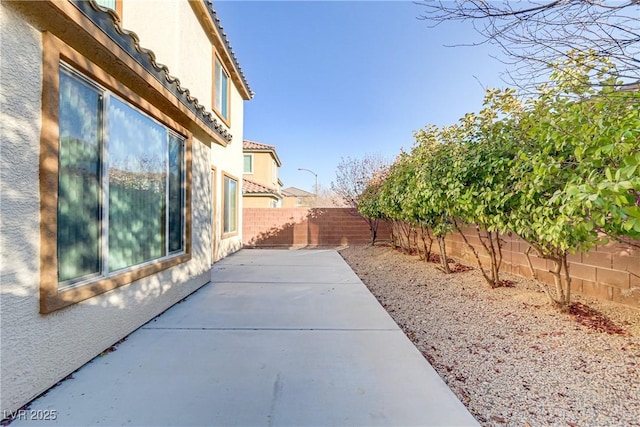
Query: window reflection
[(78, 179), (137, 187)]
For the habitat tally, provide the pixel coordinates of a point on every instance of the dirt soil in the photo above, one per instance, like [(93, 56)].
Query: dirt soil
[(507, 354)]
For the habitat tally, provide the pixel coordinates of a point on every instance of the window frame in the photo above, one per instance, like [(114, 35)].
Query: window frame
[(214, 213), (217, 60), (231, 233), (51, 296), (252, 160)]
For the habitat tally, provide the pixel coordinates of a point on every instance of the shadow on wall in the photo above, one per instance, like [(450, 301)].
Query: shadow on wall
[(75, 334), (306, 228)]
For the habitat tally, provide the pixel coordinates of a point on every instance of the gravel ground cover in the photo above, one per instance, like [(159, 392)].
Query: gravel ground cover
[(507, 354)]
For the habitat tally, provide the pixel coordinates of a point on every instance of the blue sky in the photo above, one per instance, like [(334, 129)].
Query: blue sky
[(340, 79)]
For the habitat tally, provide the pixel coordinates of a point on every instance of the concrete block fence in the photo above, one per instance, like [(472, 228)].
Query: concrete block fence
[(306, 227), (608, 272)]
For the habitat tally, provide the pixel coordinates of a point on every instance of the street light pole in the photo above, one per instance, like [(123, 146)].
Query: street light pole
[(314, 174)]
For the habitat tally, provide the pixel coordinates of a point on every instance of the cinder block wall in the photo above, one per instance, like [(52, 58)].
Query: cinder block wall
[(609, 272), (306, 227)]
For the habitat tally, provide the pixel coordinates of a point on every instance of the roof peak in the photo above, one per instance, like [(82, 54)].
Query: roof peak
[(255, 144), (259, 146), (296, 192)]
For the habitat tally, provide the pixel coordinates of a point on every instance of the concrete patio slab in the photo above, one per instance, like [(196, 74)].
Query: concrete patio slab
[(283, 274), (292, 306), (254, 351), (308, 257)]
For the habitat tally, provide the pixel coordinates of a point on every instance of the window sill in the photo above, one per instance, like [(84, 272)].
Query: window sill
[(229, 235), (52, 299), (219, 115)]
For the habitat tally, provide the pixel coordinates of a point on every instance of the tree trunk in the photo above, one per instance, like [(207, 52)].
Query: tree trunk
[(475, 253), (394, 234), (495, 252), (427, 249), (559, 297), (443, 255), (533, 270), (373, 227), (545, 288), (562, 297), (405, 241), (415, 237), (567, 278)]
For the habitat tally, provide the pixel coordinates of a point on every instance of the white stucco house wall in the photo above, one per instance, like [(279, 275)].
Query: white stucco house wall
[(120, 173)]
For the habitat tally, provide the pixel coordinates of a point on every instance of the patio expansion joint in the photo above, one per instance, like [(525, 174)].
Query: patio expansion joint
[(272, 329), (264, 282), (228, 266)]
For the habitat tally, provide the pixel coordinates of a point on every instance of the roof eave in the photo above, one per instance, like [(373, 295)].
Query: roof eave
[(109, 24), (264, 150), (271, 195), (211, 22)]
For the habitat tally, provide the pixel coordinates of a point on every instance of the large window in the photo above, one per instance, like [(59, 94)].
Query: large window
[(121, 184), (230, 208), (221, 90)]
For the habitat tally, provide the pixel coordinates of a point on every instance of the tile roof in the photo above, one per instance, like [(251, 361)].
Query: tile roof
[(252, 187), (227, 44), (296, 192), (258, 146), (109, 22), (252, 145)]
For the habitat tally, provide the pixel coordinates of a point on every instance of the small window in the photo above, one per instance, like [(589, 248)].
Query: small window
[(298, 201), (110, 4), (230, 217), (221, 95), (248, 163)]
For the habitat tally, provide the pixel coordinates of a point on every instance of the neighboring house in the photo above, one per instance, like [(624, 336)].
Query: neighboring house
[(261, 182), (297, 198), (119, 184)]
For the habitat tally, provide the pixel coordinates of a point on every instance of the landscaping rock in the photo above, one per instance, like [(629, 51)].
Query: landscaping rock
[(507, 354)]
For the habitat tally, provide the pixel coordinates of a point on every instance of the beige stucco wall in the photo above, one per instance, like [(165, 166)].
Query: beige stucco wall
[(161, 25), (263, 165), (229, 160), (257, 201), (38, 350), (171, 30), (292, 202)]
